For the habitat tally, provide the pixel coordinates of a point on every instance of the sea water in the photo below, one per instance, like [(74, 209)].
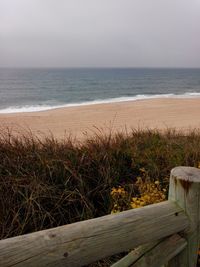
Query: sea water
[(27, 90)]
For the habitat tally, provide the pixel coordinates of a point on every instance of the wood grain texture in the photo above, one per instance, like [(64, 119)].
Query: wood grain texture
[(85, 242), (155, 254), (185, 190), (134, 255), (162, 253), (179, 260)]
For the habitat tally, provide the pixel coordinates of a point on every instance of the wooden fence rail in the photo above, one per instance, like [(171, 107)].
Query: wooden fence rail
[(170, 229)]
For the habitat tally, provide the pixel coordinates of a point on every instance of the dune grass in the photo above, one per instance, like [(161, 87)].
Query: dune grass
[(46, 183)]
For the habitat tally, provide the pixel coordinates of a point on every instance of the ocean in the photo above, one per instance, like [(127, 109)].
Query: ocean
[(27, 90)]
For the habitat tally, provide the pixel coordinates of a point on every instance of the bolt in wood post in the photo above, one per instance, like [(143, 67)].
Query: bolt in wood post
[(185, 191)]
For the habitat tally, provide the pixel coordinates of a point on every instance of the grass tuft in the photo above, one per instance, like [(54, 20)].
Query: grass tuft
[(45, 183)]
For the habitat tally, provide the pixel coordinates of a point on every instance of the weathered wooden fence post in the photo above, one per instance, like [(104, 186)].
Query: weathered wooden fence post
[(185, 191)]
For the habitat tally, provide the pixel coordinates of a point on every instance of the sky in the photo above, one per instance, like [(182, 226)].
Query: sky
[(100, 33)]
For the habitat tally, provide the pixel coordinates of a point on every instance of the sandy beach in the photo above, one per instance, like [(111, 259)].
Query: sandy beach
[(182, 114)]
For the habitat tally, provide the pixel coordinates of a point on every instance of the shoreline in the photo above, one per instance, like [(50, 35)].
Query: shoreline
[(40, 108), (79, 121)]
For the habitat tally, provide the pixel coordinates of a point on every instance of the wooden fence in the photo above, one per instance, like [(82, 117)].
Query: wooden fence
[(160, 234)]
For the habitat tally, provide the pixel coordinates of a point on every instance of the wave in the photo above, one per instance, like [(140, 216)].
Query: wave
[(35, 108)]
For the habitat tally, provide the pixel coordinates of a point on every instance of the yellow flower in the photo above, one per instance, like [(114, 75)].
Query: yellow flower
[(134, 198), (149, 192), (133, 205)]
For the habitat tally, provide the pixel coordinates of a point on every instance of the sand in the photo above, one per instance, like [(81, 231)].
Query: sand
[(82, 121)]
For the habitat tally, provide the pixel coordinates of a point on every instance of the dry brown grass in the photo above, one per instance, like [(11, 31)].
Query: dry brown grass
[(46, 183)]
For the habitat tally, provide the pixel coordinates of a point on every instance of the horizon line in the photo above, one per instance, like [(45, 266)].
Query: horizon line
[(96, 67)]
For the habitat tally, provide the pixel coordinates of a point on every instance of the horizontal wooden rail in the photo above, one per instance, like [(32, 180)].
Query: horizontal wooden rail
[(84, 242)]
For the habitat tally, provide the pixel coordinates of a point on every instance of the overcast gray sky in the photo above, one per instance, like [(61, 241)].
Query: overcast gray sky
[(99, 33)]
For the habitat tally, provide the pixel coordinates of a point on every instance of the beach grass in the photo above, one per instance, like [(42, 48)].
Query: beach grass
[(45, 183)]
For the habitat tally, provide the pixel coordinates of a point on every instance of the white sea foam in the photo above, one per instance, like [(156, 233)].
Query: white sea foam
[(35, 108)]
